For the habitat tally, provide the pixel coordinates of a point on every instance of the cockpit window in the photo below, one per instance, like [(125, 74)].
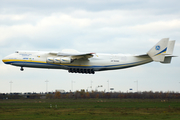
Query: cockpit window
[(16, 51)]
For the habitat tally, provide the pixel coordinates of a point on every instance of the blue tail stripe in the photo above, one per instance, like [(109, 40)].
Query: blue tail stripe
[(161, 51)]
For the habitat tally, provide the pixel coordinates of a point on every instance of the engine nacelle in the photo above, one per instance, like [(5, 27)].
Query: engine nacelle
[(59, 60), (65, 60), (50, 60)]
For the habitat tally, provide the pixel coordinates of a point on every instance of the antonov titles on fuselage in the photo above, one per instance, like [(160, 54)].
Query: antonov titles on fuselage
[(88, 63)]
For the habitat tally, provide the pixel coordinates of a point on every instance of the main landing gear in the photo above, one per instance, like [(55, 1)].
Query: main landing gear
[(22, 69)]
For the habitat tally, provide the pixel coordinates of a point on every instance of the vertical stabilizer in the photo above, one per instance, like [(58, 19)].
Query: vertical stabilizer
[(170, 47), (156, 53)]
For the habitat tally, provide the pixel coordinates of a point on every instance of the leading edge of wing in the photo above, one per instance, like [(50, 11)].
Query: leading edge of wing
[(74, 54), (142, 55), (79, 55)]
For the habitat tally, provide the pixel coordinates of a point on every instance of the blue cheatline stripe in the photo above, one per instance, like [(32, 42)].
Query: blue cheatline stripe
[(106, 66), (161, 51)]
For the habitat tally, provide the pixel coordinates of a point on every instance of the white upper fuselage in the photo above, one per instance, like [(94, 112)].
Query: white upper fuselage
[(98, 62)]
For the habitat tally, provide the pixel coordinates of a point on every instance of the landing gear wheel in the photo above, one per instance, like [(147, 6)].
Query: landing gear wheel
[(22, 69)]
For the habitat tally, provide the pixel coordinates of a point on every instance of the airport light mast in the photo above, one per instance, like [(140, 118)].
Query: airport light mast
[(46, 86), (137, 85), (91, 85), (10, 86), (72, 85), (108, 85)]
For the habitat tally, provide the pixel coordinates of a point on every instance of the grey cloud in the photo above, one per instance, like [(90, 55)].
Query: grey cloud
[(48, 6)]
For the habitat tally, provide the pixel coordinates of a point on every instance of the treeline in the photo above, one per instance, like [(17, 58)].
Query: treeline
[(121, 95), (94, 94)]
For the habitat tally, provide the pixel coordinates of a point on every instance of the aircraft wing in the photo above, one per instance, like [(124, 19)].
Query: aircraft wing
[(73, 55), (76, 55), (141, 55)]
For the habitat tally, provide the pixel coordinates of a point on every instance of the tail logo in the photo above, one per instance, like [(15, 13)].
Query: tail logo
[(157, 47)]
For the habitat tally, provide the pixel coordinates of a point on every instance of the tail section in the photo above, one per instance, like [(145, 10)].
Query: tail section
[(170, 47), (161, 49), (156, 52), (167, 59)]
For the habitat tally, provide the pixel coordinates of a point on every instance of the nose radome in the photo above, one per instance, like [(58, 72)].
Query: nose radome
[(5, 60), (8, 58)]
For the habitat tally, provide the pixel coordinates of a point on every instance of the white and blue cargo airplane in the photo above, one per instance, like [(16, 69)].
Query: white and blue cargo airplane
[(76, 62)]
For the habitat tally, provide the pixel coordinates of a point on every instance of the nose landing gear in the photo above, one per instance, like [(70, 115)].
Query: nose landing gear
[(22, 69)]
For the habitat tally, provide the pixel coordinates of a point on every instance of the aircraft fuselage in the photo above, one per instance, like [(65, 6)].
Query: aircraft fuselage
[(76, 62), (98, 62)]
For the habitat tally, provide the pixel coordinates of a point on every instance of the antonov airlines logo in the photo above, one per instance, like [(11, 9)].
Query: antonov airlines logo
[(158, 47)]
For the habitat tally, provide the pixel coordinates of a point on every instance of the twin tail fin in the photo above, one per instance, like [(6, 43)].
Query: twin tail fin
[(162, 51)]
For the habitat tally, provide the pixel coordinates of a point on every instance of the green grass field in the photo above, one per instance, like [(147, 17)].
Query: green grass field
[(116, 109)]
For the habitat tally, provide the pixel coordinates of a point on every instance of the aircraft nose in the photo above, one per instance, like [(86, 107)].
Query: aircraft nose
[(5, 60)]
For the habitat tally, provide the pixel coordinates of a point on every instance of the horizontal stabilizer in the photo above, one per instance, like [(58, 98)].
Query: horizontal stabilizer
[(167, 59)]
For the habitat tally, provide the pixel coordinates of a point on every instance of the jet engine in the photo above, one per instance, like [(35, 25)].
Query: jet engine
[(65, 60), (59, 60), (50, 60)]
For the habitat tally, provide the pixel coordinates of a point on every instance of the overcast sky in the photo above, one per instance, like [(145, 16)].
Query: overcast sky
[(101, 26)]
